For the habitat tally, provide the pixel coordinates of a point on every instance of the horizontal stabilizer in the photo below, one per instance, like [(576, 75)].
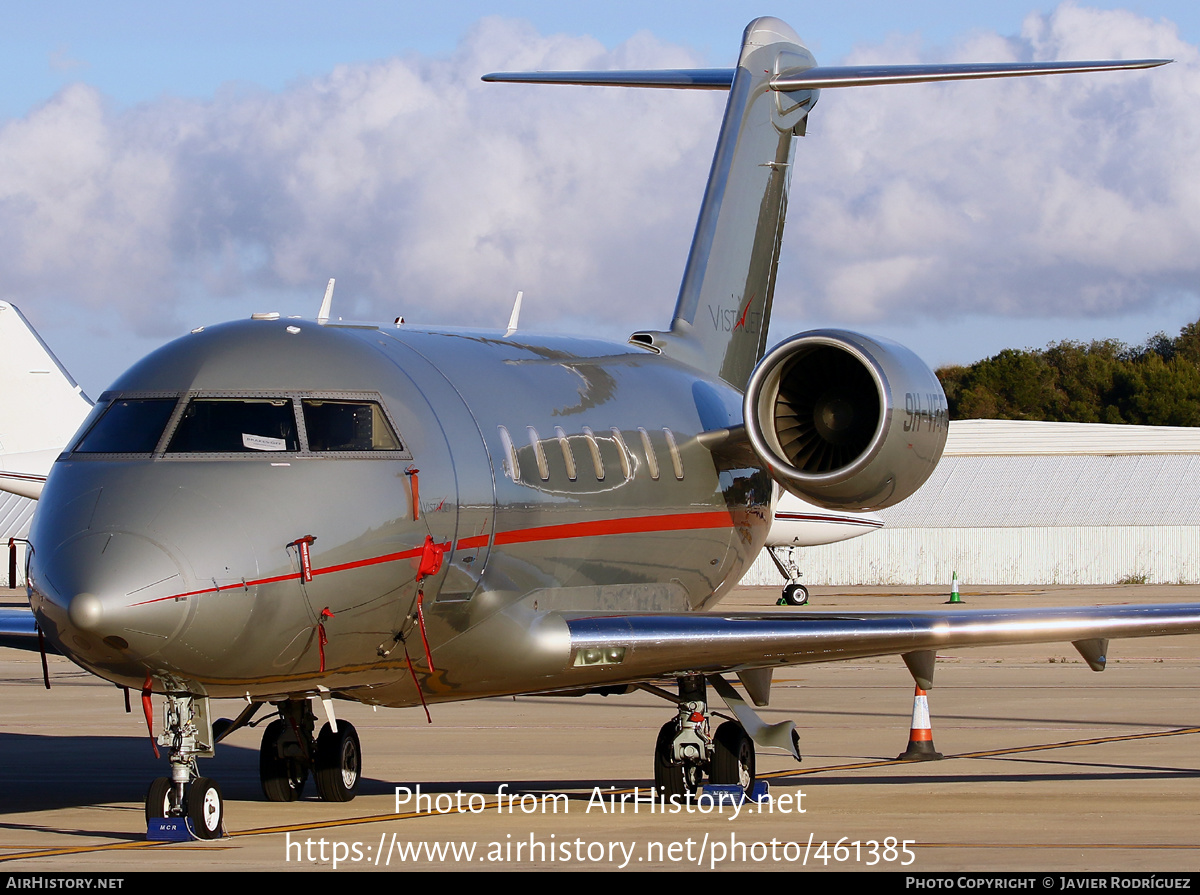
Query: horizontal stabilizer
[(821, 76), (680, 78), (874, 75)]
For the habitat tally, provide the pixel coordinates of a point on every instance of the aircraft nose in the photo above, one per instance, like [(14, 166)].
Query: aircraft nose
[(109, 599), (86, 611)]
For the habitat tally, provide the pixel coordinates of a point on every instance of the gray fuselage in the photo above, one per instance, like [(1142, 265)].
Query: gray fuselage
[(553, 475)]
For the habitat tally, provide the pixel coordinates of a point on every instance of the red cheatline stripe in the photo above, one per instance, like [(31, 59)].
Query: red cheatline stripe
[(374, 560), (634, 525), (801, 517), (23, 476)]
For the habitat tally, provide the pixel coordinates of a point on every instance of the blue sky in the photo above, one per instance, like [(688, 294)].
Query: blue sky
[(165, 165), (136, 51)]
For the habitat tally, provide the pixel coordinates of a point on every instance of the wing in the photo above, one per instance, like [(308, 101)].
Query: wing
[(18, 630), (705, 643)]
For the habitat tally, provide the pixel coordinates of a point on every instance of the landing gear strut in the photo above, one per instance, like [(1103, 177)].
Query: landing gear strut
[(794, 593), (685, 751), (285, 754), (188, 735)]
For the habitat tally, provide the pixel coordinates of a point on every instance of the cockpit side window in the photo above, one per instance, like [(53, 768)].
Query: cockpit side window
[(235, 425), (128, 426), (347, 426)]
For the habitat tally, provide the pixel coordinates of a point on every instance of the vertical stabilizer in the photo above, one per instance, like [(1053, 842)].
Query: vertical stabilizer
[(41, 406), (724, 307)]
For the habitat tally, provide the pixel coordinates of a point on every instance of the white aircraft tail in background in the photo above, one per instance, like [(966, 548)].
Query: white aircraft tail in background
[(41, 406)]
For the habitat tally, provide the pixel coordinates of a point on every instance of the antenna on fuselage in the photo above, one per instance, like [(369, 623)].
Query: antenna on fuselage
[(516, 313), (326, 302)]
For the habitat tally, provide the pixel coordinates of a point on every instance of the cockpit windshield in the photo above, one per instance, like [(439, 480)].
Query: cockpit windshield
[(342, 425), (347, 426), (235, 425), (128, 426)]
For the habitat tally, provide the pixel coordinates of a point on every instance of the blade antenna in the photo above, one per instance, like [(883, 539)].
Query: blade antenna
[(516, 313), (326, 302)]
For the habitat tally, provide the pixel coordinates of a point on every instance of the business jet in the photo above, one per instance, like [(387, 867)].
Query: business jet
[(292, 512), (42, 406), (798, 523)]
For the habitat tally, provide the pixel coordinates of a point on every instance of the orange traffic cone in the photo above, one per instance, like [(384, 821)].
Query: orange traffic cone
[(920, 736)]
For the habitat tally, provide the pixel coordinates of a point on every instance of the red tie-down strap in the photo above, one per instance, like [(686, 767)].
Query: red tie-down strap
[(411, 472), (321, 638), (431, 564), (421, 623), (42, 650), (417, 684), (304, 545), (148, 710)]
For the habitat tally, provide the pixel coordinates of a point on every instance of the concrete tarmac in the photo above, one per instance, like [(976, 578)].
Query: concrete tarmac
[(1048, 767)]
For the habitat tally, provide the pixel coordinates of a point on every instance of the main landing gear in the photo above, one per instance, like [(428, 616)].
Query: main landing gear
[(794, 593), (685, 751), (289, 754)]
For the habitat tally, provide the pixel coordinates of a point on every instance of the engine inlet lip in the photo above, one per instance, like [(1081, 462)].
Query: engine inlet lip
[(762, 392)]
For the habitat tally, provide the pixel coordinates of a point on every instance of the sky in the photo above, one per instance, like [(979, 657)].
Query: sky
[(168, 165)]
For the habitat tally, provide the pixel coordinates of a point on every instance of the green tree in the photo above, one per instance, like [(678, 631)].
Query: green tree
[(1156, 383)]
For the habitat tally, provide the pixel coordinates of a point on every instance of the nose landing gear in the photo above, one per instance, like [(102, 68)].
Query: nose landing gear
[(188, 735), (794, 593), (288, 755)]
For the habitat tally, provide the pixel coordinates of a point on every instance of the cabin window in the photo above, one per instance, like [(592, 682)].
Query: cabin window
[(651, 457), (347, 426), (568, 457), (676, 460), (594, 447), (622, 453), (128, 426), (512, 467), (539, 454), (235, 425)]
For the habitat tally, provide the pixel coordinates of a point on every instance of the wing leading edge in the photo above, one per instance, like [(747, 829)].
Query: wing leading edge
[(18, 630), (708, 643)]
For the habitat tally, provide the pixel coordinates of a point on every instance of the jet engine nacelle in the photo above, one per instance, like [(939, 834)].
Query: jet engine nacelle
[(846, 420)]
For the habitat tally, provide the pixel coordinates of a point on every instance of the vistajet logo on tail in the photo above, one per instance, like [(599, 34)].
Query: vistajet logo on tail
[(732, 319)]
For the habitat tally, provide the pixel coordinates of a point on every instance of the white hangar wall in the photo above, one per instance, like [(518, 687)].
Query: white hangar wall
[(1033, 503)]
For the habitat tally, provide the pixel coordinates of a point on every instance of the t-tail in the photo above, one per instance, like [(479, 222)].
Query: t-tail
[(724, 307)]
